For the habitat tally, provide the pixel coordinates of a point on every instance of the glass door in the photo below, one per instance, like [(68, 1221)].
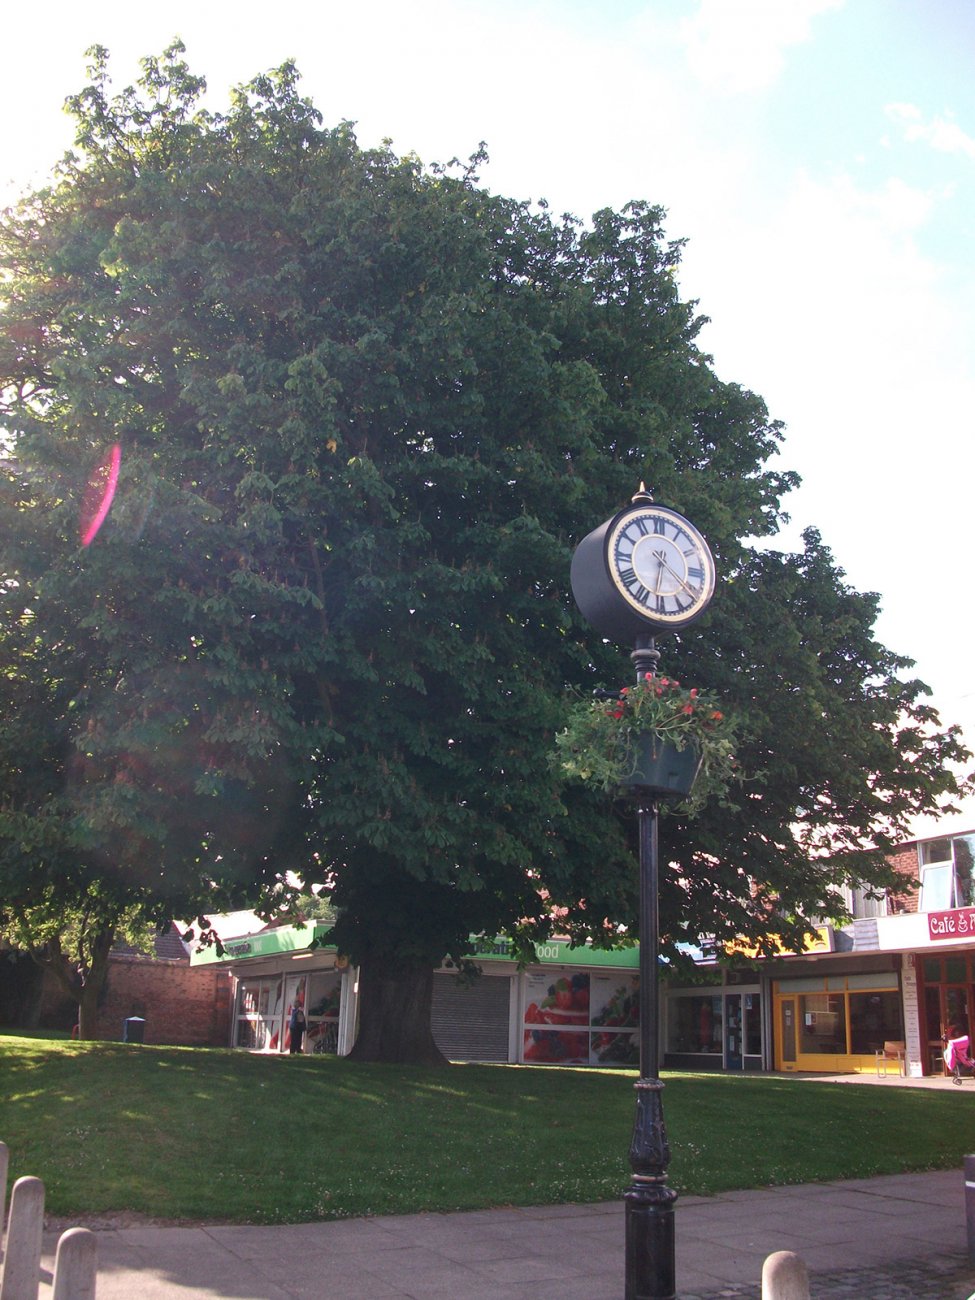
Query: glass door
[(788, 1037), (955, 1008), (934, 1029), (752, 1016), (732, 1032)]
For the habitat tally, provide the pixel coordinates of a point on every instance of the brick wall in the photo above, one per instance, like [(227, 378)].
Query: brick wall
[(904, 862), (182, 1005)]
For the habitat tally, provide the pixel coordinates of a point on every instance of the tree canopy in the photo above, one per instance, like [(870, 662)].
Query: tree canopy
[(364, 412)]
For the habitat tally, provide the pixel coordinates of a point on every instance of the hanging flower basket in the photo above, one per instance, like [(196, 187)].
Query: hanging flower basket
[(660, 768), (655, 737)]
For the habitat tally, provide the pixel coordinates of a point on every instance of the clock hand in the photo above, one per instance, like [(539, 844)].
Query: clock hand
[(660, 556)]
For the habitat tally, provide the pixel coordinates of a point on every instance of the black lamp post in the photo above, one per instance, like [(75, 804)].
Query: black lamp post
[(644, 571), (649, 1202)]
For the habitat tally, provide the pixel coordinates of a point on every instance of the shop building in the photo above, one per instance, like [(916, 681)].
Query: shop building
[(903, 971), (572, 1006)]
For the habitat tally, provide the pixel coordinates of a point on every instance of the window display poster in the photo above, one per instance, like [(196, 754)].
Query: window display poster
[(556, 1047), (615, 1003), (557, 1000), (581, 1019), (556, 1018)]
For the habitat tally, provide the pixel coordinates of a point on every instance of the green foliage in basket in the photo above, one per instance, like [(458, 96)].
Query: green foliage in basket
[(599, 740)]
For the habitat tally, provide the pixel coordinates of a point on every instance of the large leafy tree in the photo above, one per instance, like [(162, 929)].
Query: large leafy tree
[(365, 410)]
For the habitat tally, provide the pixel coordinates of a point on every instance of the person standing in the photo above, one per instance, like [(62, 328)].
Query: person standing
[(296, 1028)]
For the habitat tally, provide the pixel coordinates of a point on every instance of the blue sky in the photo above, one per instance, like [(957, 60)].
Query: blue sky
[(817, 155)]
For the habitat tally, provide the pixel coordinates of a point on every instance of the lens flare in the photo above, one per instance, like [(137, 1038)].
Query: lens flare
[(98, 495)]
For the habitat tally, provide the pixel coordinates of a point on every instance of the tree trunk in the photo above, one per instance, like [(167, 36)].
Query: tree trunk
[(394, 1015), (95, 976), (83, 978), (88, 1011)]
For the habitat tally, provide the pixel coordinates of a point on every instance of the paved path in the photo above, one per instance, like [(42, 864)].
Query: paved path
[(895, 1238)]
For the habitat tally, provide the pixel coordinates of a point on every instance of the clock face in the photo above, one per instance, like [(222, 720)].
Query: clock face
[(661, 565)]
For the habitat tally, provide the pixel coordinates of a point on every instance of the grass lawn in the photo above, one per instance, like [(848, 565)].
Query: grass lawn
[(215, 1134)]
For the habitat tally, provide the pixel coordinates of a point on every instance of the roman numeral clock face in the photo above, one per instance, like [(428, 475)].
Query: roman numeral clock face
[(661, 565)]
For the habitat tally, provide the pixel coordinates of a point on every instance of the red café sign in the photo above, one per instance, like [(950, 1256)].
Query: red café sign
[(957, 924)]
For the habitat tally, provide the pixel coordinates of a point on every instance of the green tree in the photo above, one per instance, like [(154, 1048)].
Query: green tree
[(365, 410), (74, 941)]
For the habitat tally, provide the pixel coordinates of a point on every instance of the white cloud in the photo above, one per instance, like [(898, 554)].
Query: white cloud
[(739, 45), (943, 134)]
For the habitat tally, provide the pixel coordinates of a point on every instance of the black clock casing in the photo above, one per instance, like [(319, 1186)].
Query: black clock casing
[(645, 571)]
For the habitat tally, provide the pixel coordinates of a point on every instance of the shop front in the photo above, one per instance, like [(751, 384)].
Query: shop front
[(718, 1028), (276, 970), (572, 1006), (836, 1022), (946, 986), (581, 1006), (265, 1002)]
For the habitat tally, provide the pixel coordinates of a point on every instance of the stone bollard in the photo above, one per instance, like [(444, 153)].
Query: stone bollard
[(970, 1205), (76, 1265), (784, 1277), (24, 1228)]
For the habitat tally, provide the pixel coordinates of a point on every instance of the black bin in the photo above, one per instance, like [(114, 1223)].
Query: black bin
[(133, 1029)]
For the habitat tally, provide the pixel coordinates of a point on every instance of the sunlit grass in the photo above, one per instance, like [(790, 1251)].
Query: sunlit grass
[(193, 1133)]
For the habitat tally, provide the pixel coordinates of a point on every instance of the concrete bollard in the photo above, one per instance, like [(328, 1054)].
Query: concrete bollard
[(75, 1265), (23, 1260), (784, 1277)]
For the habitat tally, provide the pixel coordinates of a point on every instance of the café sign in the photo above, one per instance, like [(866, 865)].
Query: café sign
[(957, 924)]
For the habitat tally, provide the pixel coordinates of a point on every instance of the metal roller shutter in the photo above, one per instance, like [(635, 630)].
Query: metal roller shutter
[(470, 1021)]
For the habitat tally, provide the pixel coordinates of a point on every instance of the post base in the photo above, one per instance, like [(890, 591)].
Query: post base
[(650, 1263)]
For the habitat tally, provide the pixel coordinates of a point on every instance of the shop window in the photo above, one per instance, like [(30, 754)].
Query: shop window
[(694, 1024), (753, 1024), (258, 1024), (581, 1019), (251, 1034), (822, 1024), (956, 970), (322, 1007), (874, 1018)]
